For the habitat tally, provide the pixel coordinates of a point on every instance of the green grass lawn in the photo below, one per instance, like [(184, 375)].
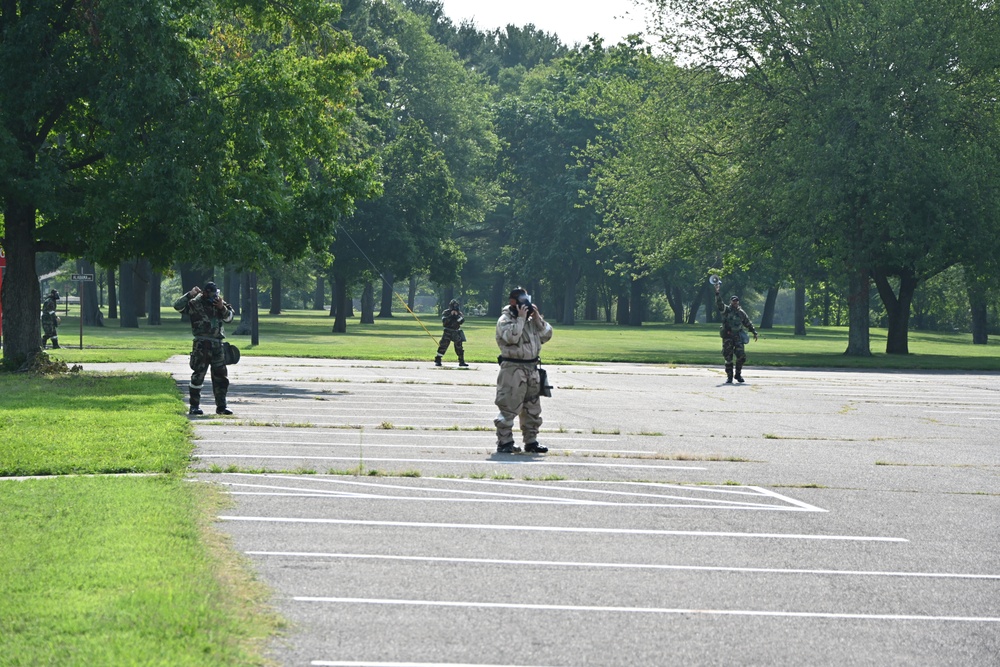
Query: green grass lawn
[(113, 570), (306, 333)]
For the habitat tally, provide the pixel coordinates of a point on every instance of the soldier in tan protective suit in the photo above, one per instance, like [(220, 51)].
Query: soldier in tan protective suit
[(521, 332)]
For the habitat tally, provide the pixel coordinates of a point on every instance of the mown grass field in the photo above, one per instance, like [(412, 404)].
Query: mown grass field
[(108, 569), (305, 333)]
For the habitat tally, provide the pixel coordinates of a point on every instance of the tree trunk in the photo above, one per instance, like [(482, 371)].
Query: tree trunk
[(800, 308), (245, 327), (636, 302), (21, 295), (826, 304), (767, 317), (155, 292), (100, 279), (858, 314), (239, 288), (898, 309), (622, 317), (675, 297), (569, 296), (699, 299), (232, 281), (112, 295), (275, 295), (385, 307), (129, 316), (498, 297), (340, 298), (191, 276), (140, 285), (90, 309), (253, 306), (590, 311), (447, 294), (411, 293), (319, 294), (368, 304), (976, 288), (712, 313)]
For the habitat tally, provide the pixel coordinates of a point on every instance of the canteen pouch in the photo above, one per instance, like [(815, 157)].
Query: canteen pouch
[(231, 353), (544, 388)]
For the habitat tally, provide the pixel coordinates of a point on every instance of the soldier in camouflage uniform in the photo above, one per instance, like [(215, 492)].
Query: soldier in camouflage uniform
[(50, 321), (734, 319), (452, 320), (208, 312), (521, 332)]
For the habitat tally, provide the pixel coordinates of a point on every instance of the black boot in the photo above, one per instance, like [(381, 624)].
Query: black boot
[(45, 339), (194, 396), (222, 410), (55, 342), (437, 360), (729, 373), (461, 361), (739, 377)]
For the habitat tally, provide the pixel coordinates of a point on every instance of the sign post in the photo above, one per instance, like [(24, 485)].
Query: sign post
[(81, 278)]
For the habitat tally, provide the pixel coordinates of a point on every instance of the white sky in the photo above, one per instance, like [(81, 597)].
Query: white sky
[(573, 20)]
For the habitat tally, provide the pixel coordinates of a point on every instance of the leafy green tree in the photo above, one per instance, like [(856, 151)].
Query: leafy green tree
[(194, 130), (547, 128), (433, 135), (870, 127), (662, 177)]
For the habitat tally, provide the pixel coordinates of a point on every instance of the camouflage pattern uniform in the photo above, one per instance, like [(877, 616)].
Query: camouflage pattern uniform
[(452, 333), (734, 319), (206, 351), (50, 320), (520, 340)]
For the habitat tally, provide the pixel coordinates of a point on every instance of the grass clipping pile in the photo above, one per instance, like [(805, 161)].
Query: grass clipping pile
[(43, 364)]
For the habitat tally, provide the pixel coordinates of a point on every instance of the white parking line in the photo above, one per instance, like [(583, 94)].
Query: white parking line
[(621, 566), (410, 445), (560, 529), (366, 663), (515, 460), (689, 500), (650, 610)]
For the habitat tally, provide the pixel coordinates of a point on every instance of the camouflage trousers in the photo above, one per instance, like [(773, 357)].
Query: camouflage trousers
[(207, 354), (733, 346), (50, 332), (452, 335), (517, 396)]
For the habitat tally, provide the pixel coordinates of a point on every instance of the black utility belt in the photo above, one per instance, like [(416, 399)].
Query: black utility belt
[(502, 359)]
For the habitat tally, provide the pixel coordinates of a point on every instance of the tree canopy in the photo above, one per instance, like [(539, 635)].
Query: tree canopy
[(185, 129)]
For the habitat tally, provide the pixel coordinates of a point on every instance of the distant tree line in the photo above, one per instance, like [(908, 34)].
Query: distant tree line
[(842, 154)]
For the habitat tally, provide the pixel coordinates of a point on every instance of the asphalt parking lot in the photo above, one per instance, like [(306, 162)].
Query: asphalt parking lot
[(806, 517)]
